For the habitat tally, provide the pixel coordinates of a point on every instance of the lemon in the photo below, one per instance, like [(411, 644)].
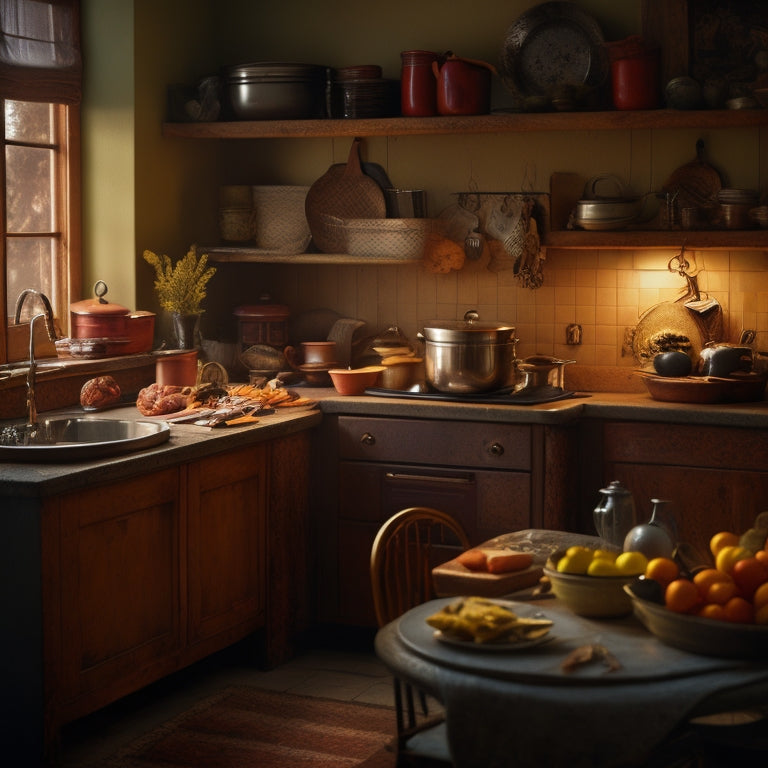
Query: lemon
[(600, 566), (575, 562), (605, 554), (631, 563)]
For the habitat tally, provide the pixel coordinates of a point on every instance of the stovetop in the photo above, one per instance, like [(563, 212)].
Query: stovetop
[(507, 396)]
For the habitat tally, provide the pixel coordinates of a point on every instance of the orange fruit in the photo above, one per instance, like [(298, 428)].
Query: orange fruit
[(760, 598), (739, 611), (761, 615), (729, 555), (720, 592), (722, 539), (762, 556), (681, 596), (712, 611), (704, 579), (749, 573), (662, 569)]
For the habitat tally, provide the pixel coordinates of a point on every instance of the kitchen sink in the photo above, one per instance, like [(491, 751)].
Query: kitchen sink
[(77, 438)]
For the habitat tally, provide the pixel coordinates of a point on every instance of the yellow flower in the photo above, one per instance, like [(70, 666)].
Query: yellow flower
[(181, 288)]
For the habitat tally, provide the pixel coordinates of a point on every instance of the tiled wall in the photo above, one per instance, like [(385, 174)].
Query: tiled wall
[(605, 292)]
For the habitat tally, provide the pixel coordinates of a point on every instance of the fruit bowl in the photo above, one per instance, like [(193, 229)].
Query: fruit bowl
[(695, 634), (594, 597)]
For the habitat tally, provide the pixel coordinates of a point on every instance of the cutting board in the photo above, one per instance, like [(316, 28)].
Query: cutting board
[(343, 192), (452, 578)]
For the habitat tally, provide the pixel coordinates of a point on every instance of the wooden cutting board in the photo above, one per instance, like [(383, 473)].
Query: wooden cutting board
[(452, 578), (344, 192)]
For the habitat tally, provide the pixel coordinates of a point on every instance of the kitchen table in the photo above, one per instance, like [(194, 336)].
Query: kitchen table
[(520, 708)]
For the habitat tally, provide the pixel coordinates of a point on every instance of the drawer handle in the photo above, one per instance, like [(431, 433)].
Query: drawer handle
[(428, 478), (496, 449), (368, 439)]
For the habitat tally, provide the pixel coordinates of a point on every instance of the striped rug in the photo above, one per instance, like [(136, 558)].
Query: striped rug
[(244, 727)]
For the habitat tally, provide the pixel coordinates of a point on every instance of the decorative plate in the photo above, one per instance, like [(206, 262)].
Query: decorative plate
[(553, 46)]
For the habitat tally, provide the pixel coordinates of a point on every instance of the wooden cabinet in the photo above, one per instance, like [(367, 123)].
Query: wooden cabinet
[(493, 478), (115, 585), (716, 478)]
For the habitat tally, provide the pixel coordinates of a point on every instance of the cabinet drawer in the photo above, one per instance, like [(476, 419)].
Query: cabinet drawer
[(453, 444)]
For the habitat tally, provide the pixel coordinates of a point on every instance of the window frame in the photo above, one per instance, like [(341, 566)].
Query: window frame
[(62, 88)]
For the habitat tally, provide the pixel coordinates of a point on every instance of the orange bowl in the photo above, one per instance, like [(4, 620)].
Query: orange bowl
[(354, 381)]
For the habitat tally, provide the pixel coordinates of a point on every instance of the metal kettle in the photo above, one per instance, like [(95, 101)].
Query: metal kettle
[(614, 514)]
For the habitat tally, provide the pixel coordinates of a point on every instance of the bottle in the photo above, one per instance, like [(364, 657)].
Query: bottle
[(418, 87), (615, 513), (656, 538)]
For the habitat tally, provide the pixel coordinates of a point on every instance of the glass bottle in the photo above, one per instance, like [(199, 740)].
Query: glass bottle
[(614, 514)]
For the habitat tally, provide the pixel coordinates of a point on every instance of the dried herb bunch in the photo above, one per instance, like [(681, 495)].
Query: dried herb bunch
[(181, 288)]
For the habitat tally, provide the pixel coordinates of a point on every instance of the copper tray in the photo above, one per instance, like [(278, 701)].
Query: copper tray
[(746, 388)]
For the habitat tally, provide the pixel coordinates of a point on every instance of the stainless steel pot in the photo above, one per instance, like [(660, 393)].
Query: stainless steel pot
[(469, 356)]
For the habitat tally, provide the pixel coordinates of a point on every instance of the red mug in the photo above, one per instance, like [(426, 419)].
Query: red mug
[(463, 85)]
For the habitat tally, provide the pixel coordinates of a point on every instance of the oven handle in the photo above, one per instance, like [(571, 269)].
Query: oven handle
[(428, 478)]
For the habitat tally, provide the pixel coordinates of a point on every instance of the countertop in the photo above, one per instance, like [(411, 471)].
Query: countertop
[(586, 405), (189, 442), (186, 443)]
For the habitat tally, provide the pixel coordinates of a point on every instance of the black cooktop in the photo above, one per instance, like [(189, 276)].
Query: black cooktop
[(534, 396)]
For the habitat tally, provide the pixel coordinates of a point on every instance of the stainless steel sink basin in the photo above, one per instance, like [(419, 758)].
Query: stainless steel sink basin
[(79, 438)]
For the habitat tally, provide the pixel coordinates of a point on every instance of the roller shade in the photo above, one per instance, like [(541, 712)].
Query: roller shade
[(40, 50)]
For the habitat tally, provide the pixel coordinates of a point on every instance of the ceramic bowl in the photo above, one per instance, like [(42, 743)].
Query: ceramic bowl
[(354, 381), (595, 597)]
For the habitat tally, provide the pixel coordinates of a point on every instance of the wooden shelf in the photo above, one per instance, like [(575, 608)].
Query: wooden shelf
[(246, 255), (496, 123), (731, 240)]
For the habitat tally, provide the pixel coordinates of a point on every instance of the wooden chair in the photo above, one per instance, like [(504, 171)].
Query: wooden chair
[(406, 548)]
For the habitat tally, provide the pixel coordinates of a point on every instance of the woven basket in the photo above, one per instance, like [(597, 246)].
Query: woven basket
[(279, 221), (382, 238)]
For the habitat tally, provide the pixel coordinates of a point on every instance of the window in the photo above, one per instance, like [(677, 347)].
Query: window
[(40, 86)]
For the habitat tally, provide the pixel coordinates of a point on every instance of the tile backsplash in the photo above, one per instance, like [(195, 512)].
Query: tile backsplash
[(605, 292)]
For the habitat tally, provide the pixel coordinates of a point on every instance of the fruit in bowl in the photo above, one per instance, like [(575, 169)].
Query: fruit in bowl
[(591, 581)]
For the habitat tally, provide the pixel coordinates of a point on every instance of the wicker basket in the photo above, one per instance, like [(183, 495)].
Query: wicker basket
[(279, 221), (382, 238)]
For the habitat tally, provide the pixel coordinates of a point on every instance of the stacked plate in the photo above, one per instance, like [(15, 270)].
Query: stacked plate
[(735, 207), (361, 91)]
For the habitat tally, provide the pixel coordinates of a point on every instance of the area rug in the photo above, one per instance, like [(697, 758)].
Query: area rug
[(245, 727)]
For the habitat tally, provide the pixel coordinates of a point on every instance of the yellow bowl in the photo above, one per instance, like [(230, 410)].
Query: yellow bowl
[(354, 381)]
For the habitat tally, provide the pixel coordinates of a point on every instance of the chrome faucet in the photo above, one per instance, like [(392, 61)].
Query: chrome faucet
[(47, 315)]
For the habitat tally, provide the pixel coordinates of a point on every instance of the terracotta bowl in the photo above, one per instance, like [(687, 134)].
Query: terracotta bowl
[(354, 381)]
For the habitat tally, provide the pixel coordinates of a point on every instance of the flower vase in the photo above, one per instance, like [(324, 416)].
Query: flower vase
[(185, 329)]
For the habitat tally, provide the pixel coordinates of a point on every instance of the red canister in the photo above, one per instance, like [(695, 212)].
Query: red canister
[(463, 85), (634, 74), (418, 88)]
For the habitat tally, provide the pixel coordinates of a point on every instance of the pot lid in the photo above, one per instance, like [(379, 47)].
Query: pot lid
[(264, 310), (99, 306), (470, 329)]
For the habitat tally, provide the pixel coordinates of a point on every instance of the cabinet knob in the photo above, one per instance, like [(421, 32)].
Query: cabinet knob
[(496, 449), (368, 439)]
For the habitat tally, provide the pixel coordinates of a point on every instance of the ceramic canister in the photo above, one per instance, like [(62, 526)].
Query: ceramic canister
[(176, 368)]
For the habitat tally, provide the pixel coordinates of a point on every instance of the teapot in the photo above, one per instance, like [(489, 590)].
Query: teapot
[(614, 515)]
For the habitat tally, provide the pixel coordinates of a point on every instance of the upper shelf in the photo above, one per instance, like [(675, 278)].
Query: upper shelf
[(496, 123)]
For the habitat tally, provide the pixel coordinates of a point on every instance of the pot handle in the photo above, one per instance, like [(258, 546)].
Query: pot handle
[(590, 191)]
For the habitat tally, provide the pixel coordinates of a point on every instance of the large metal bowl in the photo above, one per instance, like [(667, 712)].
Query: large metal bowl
[(275, 91)]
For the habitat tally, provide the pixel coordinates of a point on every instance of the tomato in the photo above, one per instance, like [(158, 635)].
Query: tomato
[(749, 574), (728, 556)]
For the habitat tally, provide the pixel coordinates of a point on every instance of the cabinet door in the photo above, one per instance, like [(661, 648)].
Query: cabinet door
[(486, 504), (119, 587), (226, 549), (714, 477)]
